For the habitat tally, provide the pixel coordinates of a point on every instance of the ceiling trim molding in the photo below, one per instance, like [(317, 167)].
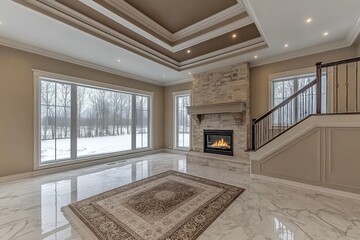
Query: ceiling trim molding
[(120, 40), (215, 33), (209, 22), (251, 12), (134, 14), (225, 56), (176, 48), (61, 57), (354, 33), (301, 53), (95, 27), (235, 49), (177, 82), (173, 37)]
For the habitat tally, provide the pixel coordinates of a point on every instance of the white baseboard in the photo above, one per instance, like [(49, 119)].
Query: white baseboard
[(308, 186), (16, 176), (57, 169), (175, 151)]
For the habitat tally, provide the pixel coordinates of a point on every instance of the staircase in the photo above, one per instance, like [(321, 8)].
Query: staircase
[(335, 90), (313, 137)]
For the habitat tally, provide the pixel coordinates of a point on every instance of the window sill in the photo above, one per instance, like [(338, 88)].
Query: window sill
[(89, 158), (182, 149)]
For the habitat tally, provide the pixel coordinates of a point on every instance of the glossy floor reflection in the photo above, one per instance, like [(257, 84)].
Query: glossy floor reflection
[(30, 208)]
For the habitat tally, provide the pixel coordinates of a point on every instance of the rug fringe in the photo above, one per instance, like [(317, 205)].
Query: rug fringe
[(84, 232)]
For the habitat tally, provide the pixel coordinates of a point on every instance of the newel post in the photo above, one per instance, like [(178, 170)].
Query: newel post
[(253, 147), (318, 87)]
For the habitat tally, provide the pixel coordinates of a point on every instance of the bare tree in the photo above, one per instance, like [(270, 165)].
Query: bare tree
[(64, 103), (47, 102), (115, 104), (100, 105), (81, 98)]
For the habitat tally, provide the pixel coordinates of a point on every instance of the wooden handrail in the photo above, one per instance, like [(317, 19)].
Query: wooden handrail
[(350, 60), (286, 101)]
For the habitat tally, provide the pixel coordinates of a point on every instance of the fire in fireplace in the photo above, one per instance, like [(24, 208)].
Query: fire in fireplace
[(219, 142)]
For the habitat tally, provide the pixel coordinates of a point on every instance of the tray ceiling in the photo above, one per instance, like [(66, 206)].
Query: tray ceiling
[(175, 15), (170, 32)]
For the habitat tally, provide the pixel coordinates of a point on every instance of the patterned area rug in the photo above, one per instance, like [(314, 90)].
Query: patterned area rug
[(169, 205)]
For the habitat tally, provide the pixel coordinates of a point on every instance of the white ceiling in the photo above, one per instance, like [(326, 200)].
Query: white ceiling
[(280, 22)]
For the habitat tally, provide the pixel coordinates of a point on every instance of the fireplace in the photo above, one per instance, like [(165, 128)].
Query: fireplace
[(219, 142)]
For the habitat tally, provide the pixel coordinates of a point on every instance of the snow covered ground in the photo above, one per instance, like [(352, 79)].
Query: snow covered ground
[(95, 146), (89, 146)]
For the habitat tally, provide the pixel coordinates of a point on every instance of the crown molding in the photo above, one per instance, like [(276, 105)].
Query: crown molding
[(173, 37), (138, 16), (235, 49), (176, 82), (133, 13), (354, 33), (61, 57), (251, 12), (88, 23), (209, 22), (301, 53), (215, 33)]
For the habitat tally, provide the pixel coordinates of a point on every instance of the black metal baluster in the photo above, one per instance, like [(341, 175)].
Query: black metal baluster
[(272, 124), (347, 88), (337, 89), (268, 123), (326, 89), (357, 85), (279, 126)]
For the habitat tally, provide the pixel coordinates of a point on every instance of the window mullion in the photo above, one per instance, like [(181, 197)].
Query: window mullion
[(177, 122), (148, 124), (133, 121), (74, 121)]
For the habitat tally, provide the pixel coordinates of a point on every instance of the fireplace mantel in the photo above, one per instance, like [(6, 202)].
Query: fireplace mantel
[(197, 112)]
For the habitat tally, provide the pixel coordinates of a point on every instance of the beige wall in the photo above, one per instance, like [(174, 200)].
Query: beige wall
[(17, 104), (259, 76), (259, 84), (169, 111), (330, 159)]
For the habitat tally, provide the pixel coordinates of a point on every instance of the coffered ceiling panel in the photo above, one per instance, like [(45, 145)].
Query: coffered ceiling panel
[(175, 15), (177, 34)]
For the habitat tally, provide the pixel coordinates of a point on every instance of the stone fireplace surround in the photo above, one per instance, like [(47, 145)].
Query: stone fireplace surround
[(221, 101)]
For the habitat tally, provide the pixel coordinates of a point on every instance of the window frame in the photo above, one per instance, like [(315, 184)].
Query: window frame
[(298, 73), (175, 120), (40, 75)]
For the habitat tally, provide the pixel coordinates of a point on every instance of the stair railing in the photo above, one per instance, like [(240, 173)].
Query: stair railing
[(335, 90), (291, 111), (342, 79)]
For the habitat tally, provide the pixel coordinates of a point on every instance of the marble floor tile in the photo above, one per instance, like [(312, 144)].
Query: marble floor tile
[(30, 209)]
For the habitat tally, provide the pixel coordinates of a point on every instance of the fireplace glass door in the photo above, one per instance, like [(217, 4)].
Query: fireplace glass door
[(218, 142)]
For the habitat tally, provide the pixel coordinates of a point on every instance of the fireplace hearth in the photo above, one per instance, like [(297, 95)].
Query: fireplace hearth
[(219, 142)]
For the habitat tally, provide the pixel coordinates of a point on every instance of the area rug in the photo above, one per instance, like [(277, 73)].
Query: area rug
[(169, 205)]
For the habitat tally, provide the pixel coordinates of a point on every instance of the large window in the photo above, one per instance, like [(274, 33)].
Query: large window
[(182, 120), (80, 121), (283, 88)]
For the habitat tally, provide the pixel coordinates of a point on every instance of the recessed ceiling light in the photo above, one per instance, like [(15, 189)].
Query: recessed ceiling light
[(326, 33), (309, 20), (0, 22), (119, 60), (164, 76), (188, 51), (286, 45), (189, 73), (234, 35), (255, 57)]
